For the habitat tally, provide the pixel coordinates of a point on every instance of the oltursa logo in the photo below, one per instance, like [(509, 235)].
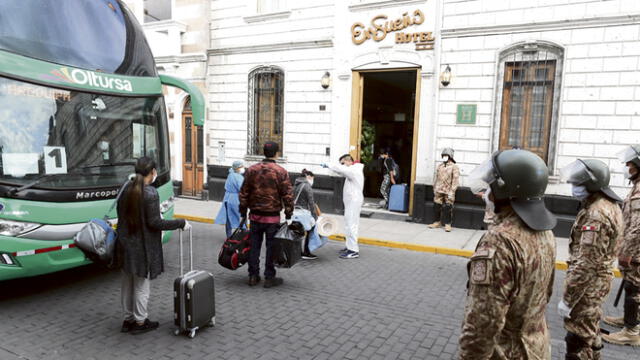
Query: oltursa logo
[(89, 78)]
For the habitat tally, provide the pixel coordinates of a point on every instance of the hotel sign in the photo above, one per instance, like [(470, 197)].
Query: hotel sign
[(381, 26)]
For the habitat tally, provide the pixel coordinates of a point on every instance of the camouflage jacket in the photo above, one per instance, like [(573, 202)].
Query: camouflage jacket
[(595, 237), (510, 284), (266, 190), (447, 179), (631, 214)]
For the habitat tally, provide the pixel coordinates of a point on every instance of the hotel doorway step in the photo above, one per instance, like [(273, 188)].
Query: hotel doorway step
[(386, 119)]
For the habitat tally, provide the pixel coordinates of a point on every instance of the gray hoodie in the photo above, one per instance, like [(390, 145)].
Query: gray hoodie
[(305, 200)]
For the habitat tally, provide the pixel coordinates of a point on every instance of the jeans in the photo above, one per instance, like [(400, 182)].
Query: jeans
[(384, 188), (258, 231)]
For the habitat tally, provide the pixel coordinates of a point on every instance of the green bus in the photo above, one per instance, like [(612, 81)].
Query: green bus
[(80, 101)]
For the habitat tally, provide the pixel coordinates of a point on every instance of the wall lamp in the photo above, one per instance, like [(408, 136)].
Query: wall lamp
[(325, 81), (445, 77)]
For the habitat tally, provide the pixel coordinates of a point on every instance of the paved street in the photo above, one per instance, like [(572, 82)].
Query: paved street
[(389, 304)]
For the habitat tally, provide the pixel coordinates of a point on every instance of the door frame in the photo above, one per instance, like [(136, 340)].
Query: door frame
[(355, 132)]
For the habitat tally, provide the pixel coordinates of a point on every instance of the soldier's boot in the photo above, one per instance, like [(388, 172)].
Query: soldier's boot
[(447, 228), (625, 337), (437, 210), (576, 347), (614, 321)]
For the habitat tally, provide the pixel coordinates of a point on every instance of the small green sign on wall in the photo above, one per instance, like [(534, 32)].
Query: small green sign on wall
[(466, 114)]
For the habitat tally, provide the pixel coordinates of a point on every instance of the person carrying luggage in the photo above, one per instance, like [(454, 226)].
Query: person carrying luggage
[(265, 191), (304, 200), (390, 174), (140, 229), (229, 214)]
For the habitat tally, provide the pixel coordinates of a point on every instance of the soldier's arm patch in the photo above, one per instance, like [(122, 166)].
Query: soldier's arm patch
[(589, 233), (479, 271)]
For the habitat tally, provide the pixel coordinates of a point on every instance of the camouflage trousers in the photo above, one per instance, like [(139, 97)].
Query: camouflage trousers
[(585, 318), (632, 275)]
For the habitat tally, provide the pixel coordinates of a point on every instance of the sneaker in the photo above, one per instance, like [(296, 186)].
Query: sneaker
[(309, 256), (435, 225), (614, 321), (624, 337), (272, 282), (148, 325), (253, 280), (349, 255), (447, 228), (343, 250), (127, 325)]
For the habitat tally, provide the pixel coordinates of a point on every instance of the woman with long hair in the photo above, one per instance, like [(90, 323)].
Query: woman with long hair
[(140, 229)]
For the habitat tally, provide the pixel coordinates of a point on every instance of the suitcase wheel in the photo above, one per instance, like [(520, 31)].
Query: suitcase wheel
[(192, 334)]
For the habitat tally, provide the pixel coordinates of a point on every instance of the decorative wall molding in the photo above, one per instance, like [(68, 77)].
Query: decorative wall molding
[(372, 5), (267, 17), (313, 44), (183, 58), (540, 26)]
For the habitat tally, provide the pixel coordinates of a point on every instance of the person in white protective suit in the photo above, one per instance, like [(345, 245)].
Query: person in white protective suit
[(353, 198)]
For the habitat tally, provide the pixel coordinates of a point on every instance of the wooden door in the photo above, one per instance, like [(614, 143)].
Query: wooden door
[(192, 156)]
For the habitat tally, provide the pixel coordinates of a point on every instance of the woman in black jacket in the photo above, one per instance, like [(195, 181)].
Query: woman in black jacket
[(304, 200), (140, 229)]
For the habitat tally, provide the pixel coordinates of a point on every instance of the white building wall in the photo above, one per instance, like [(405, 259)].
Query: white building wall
[(600, 82), (298, 40)]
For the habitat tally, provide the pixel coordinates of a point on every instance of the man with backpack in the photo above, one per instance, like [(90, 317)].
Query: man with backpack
[(265, 191)]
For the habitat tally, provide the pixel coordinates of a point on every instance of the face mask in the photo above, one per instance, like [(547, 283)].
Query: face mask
[(241, 171), (155, 176), (580, 192), (310, 182), (445, 158), (490, 204), (627, 172)]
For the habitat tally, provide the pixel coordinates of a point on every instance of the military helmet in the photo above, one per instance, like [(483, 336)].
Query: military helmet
[(520, 177), (630, 154), (448, 151), (592, 174)]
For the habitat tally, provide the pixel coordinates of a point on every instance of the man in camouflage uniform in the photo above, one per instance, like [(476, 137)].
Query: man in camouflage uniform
[(444, 190), (629, 256), (511, 272), (592, 249)]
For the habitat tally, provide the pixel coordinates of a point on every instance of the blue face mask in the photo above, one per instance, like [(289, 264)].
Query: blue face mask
[(580, 192)]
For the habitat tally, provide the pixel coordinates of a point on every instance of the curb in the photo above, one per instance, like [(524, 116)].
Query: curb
[(560, 265)]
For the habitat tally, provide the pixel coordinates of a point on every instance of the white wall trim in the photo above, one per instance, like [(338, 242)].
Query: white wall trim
[(313, 44), (541, 26), (267, 17), (164, 25), (182, 58), (384, 3)]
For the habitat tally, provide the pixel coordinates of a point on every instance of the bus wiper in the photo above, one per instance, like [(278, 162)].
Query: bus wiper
[(37, 181), (121, 163)]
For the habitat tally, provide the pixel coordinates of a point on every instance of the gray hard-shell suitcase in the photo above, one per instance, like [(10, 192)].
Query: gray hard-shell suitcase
[(193, 297)]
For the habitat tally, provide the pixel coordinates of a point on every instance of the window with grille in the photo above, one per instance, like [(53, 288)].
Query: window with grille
[(266, 105), (528, 100)]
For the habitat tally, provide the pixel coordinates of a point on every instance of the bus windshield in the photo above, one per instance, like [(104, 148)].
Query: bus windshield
[(87, 140)]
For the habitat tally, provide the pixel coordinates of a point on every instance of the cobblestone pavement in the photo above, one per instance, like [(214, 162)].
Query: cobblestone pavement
[(389, 304)]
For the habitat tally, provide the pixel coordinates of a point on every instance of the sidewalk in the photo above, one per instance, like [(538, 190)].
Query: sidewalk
[(396, 234)]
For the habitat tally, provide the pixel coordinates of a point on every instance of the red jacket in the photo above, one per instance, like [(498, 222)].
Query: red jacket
[(266, 190)]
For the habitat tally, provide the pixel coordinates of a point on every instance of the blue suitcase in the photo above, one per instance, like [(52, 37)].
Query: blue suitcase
[(399, 198)]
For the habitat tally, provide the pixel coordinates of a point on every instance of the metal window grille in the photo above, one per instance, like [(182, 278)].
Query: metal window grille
[(266, 108)]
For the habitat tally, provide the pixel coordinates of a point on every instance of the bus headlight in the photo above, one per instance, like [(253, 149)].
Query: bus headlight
[(15, 228), (166, 205)]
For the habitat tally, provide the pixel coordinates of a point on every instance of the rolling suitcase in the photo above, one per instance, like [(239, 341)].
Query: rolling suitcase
[(399, 198), (193, 297)]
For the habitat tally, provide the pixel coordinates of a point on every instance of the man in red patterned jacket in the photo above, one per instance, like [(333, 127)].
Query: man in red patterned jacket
[(265, 191)]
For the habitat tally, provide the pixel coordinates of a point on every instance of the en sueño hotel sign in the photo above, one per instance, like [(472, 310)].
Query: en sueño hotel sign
[(380, 26)]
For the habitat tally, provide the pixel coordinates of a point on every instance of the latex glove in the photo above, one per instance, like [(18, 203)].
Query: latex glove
[(564, 310), (324, 165), (450, 197), (186, 226)]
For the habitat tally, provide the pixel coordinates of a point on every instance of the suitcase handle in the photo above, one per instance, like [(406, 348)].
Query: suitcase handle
[(190, 251)]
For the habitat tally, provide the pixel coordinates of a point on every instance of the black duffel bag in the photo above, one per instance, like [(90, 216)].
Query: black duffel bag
[(288, 246), (235, 251)]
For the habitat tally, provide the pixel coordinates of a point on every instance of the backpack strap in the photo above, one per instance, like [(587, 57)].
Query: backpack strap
[(115, 202)]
